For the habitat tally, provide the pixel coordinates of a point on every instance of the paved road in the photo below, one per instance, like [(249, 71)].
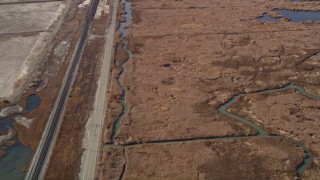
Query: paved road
[(41, 158), (93, 130)]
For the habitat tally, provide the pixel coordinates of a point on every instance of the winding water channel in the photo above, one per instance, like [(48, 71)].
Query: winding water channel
[(261, 132), (123, 28)]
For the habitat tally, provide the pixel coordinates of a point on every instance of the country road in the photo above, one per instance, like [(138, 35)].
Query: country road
[(93, 130), (43, 152)]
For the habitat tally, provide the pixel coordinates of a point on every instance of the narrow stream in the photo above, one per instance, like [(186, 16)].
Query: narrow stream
[(123, 28), (224, 109), (261, 132), (17, 155)]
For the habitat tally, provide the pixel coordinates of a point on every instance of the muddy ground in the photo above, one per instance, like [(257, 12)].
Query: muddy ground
[(188, 59)]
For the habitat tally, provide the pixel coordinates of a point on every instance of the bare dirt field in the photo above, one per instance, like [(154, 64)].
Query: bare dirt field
[(189, 59)]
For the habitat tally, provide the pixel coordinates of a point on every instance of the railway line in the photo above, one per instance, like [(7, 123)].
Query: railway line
[(42, 155)]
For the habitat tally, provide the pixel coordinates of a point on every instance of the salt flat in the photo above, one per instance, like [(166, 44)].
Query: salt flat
[(23, 33)]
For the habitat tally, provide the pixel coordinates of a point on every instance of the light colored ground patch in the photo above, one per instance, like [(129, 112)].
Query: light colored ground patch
[(84, 3), (12, 109), (62, 48), (13, 53), (103, 8), (7, 136), (23, 121)]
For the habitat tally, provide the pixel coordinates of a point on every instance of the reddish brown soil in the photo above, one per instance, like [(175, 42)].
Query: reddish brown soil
[(2, 153), (111, 163)]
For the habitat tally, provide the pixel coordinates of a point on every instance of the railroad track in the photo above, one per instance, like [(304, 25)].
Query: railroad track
[(42, 155)]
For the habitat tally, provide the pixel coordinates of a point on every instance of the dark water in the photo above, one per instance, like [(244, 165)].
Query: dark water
[(300, 16), (11, 165), (17, 155), (6, 124), (124, 30), (292, 16), (33, 103), (16, 158)]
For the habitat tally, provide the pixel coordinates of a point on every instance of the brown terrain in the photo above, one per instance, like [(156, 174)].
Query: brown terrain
[(286, 113), (180, 74), (263, 158), (189, 58)]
